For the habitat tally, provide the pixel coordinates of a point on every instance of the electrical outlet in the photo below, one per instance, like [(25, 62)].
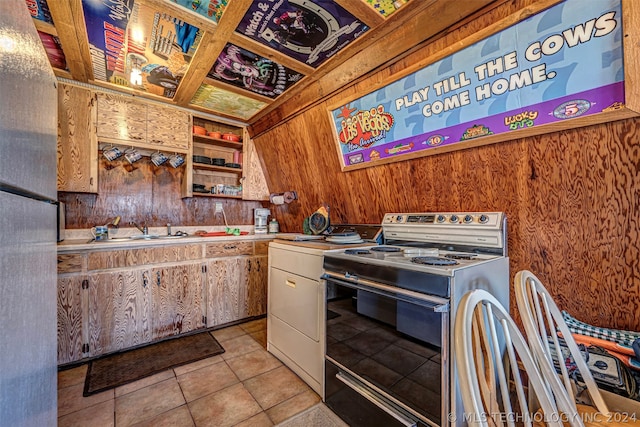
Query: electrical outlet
[(218, 207)]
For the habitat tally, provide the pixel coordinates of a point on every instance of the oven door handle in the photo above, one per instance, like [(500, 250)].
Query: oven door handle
[(437, 304), (375, 400)]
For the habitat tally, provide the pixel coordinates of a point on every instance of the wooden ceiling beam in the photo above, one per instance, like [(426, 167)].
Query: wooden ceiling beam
[(69, 21), (210, 46), (363, 12), (45, 27)]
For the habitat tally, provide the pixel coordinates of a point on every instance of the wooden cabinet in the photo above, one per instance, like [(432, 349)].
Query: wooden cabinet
[(226, 290), (236, 289), (257, 285), (119, 310), (70, 318), (177, 299), (168, 127), (254, 184), (77, 143), (111, 300), (127, 121), (220, 180), (120, 119)]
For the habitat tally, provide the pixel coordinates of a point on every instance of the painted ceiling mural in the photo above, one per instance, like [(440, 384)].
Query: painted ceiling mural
[(225, 102), (252, 72), (143, 46), (308, 31), (210, 9), (136, 46)]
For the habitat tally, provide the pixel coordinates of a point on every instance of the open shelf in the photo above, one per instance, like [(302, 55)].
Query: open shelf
[(206, 167), (222, 196), (202, 141)]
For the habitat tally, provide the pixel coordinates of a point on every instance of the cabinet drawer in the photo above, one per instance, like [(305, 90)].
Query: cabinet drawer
[(229, 249), (70, 263), (302, 351), (142, 256), (306, 265), (296, 301), (262, 248)]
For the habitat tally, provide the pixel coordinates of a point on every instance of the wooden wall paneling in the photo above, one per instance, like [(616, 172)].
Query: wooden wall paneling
[(144, 192), (631, 22), (571, 197)]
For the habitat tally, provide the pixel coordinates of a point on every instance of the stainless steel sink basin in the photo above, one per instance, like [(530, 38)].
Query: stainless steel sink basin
[(142, 237)]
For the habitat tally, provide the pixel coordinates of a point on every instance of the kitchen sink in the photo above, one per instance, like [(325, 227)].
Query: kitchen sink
[(142, 237)]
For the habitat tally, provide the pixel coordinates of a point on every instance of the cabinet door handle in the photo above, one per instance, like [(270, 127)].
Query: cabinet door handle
[(145, 279), (230, 246), (158, 280), (290, 283)]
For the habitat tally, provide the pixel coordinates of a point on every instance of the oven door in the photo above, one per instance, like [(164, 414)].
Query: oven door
[(385, 350)]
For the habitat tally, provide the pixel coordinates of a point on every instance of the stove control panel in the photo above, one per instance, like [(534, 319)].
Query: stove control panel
[(477, 219)]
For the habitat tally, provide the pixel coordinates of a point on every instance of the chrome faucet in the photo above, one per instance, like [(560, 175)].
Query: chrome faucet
[(144, 230)]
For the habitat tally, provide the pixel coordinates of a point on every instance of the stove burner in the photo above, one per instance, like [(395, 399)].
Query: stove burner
[(385, 249), (460, 256), (356, 252), (433, 260)]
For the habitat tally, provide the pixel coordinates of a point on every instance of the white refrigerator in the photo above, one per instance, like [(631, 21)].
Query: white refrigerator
[(28, 129)]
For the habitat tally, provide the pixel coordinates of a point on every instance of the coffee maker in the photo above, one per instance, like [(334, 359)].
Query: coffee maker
[(260, 220)]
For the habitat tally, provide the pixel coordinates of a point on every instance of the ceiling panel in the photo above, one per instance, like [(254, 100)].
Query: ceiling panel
[(308, 31), (240, 59), (226, 103), (252, 72)]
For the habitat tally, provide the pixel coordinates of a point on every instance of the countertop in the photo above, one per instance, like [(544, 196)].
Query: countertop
[(78, 240), (321, 244)]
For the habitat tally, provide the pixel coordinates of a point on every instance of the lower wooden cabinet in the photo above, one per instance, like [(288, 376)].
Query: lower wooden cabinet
[(70, 318), (108, 307), (236, 289), (119, 311), (177, 299)]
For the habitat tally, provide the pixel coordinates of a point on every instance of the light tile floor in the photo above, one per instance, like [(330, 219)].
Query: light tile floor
[(244, 386)]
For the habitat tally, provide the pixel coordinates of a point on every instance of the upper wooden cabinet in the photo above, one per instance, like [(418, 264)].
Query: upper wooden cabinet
[(124, 120), (168, 127), (77, 144), (238, 172)]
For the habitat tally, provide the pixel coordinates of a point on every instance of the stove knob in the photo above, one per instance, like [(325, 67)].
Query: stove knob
[(441, 218), (483, 219), (399, 218), (468, 219), (453, 218)]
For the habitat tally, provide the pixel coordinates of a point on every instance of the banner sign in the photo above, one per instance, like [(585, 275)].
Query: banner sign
[(564, 62)]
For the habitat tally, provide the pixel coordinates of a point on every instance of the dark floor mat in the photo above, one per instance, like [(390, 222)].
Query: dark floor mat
[(128, 366)]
